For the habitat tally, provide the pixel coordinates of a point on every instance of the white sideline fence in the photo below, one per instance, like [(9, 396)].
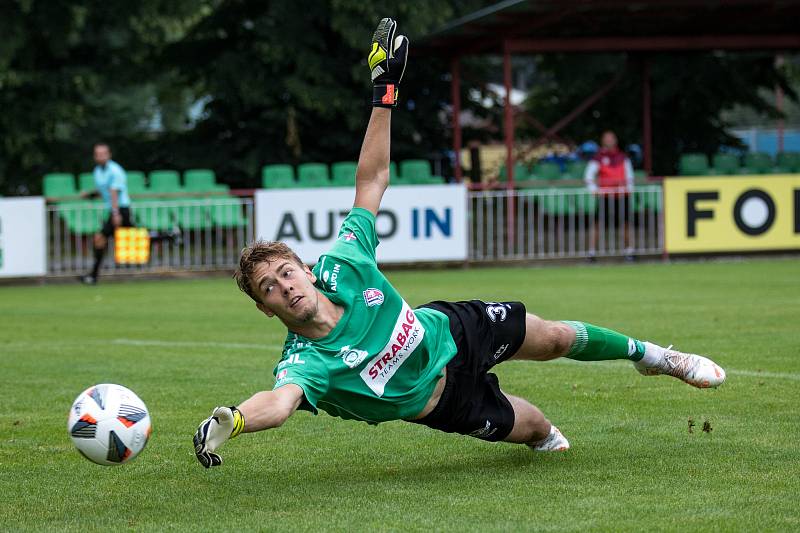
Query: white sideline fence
[(213, 232), (503, 225), (558, 222)]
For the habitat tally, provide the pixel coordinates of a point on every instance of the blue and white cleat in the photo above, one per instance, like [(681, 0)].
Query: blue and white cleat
[(696, 370)]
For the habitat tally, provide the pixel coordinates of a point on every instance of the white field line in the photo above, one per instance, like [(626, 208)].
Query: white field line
[(603, 365), (614, 365), (196, 344)]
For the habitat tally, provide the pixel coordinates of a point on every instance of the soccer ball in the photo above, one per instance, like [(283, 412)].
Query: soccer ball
[(109, 424)]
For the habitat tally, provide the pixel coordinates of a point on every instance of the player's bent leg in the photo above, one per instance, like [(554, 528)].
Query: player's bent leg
[(533, 429), (545, 339)]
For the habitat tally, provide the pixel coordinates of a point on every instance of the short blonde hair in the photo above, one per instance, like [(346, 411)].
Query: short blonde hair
[(260, 251)]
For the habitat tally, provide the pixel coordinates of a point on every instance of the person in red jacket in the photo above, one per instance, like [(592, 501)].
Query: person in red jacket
[(609, 175)]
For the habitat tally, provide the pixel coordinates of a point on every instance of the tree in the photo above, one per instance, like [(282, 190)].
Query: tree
[(71, 73), (689, 93)]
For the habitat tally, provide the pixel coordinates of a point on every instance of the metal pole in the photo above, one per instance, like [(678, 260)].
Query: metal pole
[(455, 94), (647, 127), (779, 104), (508, 123)]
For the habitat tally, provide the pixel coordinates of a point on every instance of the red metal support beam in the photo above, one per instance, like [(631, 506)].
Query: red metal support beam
[(508, 117), (583, 106), (655, 43), (455, 95), (779, 104), (508, 126), (647, 124)]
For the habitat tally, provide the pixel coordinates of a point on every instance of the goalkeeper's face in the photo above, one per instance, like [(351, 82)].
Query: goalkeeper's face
[(286, 290)]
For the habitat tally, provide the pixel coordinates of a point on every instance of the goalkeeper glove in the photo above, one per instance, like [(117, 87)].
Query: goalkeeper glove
[(223, 424), (387, 61)]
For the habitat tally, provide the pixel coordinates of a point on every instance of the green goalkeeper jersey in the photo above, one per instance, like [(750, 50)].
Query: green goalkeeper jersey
[(382, 360)]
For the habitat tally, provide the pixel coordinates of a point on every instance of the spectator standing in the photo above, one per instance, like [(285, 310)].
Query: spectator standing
[(609, 175)]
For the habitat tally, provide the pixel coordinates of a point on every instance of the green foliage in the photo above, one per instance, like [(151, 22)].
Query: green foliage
[(225, 85), (187, 346), (72, 73), (689, 93)]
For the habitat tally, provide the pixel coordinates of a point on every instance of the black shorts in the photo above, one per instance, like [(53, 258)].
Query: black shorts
[(614, 209), (108, 226), (486, 333)]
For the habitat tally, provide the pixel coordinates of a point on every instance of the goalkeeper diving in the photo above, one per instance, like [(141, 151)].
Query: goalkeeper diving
[(357, 350)]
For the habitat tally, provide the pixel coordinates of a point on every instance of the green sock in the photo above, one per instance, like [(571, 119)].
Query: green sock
[(593, 343)]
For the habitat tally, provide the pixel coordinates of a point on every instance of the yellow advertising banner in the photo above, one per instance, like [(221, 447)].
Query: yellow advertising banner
[(732, 213)]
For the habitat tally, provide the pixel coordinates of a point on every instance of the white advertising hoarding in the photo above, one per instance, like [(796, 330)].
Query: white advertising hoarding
[(415, 223), (23, 239)]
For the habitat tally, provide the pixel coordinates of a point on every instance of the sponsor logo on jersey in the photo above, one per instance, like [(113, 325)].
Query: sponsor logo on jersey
[(497, 311), (349, 236), (406, 336), (373, 297), (293, 359), (352, 357), (500, 351), (333, 275), (281, 374)]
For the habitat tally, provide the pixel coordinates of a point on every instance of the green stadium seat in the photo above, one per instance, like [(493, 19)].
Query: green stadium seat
[(647, 201), (693, 164), (575, 170), (59, 184), (418, 172), (165, 182), (313, 175), (227, 213), (136, 182), (153, 214), (85, 182), (788, 161), (547, 170), (278, 177), (565, 201), (202, 180), (758, 162), (343, 174), (726, 164), (191, 214), (82, 217), (521, 172)]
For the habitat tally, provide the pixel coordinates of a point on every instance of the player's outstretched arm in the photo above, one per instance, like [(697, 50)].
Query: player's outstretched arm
[(387, 62), (372, 174), (264, 410), (270, 409)]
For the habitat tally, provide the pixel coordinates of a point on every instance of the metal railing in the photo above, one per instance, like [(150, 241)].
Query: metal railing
[(187, 234), (503, 225), (564, 223)]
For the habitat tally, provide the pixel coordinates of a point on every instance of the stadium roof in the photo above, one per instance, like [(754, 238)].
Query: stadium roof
[(619, 25)]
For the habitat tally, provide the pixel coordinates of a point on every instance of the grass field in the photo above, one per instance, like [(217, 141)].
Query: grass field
[(186, 346)]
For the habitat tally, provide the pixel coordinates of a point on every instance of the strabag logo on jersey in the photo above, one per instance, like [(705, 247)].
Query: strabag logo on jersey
[(373, 297), (407, 334), (352, 357)]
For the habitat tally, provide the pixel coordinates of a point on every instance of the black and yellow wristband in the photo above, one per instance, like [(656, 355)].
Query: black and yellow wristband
[(238, 421)]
